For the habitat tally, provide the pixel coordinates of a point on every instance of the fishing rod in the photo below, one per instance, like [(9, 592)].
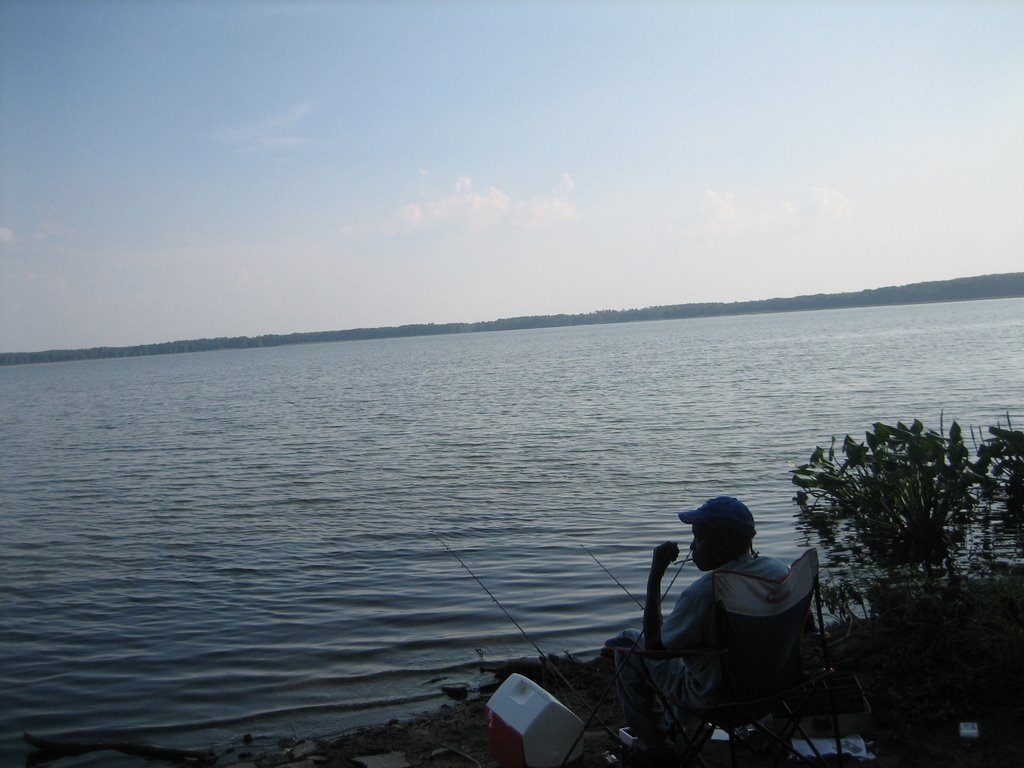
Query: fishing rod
[(639, 637), (490, 594), (544, 657), (612, 575), (623, 588), (592, 710), (679, 570)]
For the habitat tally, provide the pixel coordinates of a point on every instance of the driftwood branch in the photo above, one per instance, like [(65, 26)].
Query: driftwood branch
[(50, 750)]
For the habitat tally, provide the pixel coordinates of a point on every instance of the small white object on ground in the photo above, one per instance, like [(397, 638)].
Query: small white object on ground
[(853, 746), (969, 731)]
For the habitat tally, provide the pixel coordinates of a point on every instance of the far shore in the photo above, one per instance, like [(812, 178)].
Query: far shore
[(982, 287)]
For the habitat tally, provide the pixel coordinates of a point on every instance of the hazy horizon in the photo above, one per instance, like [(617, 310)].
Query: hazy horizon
[(492, 319), (178, 171)]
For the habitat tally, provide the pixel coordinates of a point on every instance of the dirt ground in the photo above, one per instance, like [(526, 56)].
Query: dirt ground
[(456, 737)]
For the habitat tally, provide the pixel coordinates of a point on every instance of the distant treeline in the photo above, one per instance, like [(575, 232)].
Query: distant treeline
[(962, 289)]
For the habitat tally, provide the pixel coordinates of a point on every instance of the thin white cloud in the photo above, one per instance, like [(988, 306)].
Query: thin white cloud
[(543, 211), (782, 216), (274, 132), (723, 214), (720, 212), (463, 204), (832, 201), (491, 207), (549, 209), (47, 231)]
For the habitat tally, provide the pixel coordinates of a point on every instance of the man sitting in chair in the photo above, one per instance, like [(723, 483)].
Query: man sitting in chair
[(723, 530)]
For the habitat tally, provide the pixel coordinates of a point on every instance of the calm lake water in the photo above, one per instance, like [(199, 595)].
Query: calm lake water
[(193, 547)]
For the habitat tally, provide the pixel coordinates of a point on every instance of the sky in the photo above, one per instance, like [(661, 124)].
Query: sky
[(181, 169)]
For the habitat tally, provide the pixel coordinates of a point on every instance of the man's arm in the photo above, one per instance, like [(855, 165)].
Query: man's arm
[(664, 555)]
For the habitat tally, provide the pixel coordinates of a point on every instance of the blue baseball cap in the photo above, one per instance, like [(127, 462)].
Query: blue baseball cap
[(722, 509)]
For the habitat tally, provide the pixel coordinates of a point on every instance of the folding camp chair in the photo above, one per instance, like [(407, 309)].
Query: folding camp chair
[(760, 624)]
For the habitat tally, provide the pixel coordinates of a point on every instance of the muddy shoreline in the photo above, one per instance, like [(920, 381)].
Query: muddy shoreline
[(455, 735)]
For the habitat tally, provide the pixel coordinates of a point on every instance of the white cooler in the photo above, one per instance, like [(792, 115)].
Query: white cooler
[(529, 728)]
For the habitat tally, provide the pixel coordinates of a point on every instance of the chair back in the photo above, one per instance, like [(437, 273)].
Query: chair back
[(760, 622)]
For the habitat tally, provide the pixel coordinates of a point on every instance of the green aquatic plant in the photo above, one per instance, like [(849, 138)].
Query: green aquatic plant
[(1001, 464), (904, 495)]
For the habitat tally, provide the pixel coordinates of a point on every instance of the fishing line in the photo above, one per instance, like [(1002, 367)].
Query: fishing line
[(679, 570), (490, 594), (612, 575), (544, 657), (623, 588)]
